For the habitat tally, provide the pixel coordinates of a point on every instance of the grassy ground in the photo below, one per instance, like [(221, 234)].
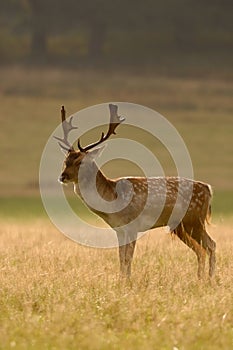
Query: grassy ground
[(55, 294), (58, 295)]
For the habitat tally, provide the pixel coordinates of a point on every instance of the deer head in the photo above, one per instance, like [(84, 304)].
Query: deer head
[(74, 158)]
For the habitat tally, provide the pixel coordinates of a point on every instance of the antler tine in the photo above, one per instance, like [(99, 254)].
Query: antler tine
[(67, 127), (80, 147), (115, 120)]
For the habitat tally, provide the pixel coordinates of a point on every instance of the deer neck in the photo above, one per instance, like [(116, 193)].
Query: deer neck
[(91, 181)]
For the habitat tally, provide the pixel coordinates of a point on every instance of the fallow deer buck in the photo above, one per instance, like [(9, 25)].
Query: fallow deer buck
[(141, 198)]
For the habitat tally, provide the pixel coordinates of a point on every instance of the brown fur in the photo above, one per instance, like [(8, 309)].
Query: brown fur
[(182, 204), (191, 229)]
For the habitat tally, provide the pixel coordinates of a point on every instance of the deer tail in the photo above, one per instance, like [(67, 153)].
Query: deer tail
[(208, 215), (209, 209)]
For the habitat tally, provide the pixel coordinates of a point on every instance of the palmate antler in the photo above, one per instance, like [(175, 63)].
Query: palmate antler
[(67, 127), (115, 120)]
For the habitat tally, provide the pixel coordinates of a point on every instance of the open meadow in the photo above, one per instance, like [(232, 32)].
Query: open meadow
[(55, 294)]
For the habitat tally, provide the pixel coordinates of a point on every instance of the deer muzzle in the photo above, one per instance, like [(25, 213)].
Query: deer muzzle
[(63, 178)]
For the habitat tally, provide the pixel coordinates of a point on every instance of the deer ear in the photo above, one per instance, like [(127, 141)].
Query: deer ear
[(95, 153)]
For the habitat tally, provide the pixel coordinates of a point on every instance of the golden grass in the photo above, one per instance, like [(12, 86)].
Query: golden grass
[(56, 294)]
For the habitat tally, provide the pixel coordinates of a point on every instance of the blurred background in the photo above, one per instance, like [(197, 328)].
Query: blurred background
[(77, 32), (173, 56)]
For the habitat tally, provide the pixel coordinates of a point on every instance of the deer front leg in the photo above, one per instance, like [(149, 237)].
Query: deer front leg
[(126, 252), (126, 256)]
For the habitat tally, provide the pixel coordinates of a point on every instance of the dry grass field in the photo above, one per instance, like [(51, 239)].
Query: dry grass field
[(55, 294)]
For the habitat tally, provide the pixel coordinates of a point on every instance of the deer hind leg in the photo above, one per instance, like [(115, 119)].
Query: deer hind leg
[(212, 257), (126, 252), (195, 246), (210, 246), (205, 241)]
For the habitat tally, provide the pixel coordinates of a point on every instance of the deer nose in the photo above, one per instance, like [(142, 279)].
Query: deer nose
[(62, 178)]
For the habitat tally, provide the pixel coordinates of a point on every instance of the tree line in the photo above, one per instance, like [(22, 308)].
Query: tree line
[(97, 29)]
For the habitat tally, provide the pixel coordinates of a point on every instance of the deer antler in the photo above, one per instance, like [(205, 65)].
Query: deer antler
[(67, 127), (115, 120)]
